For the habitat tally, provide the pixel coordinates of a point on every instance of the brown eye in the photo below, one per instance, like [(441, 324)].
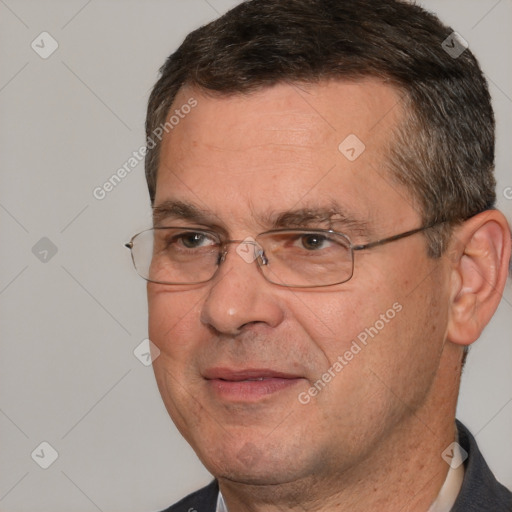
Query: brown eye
[(313, 241), (194, 240)]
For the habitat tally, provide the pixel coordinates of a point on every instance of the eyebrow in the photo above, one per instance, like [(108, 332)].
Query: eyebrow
[(180, 210), (332, 217)]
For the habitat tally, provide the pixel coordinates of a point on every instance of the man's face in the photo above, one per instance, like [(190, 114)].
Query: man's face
[(240, 356)]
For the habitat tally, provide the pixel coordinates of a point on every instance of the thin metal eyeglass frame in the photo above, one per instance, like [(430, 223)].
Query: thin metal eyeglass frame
[(262, 259)]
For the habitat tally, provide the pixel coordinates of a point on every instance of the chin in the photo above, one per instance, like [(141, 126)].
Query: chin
[(252, 463), (255, 475)]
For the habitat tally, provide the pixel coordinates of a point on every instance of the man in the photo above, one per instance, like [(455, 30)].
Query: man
[(325, 250)]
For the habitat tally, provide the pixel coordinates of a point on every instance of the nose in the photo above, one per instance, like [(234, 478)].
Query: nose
[(239, 295)]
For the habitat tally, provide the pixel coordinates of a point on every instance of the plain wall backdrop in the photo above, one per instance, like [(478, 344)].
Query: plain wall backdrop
[(72, 308)]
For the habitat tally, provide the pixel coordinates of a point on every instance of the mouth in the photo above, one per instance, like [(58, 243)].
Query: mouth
[(248, 385)]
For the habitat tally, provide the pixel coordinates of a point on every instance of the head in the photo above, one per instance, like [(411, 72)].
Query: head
[(272, 90)]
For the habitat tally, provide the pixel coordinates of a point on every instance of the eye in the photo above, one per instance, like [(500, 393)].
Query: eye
[(314, 241), (194, 240), (175, 240)]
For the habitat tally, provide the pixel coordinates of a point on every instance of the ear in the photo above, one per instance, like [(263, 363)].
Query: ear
[(480, 252)]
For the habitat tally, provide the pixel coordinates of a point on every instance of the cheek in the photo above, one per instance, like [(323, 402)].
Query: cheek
[(332, 321), (173, 328), (404, 357), (173, 319), (393, 332)]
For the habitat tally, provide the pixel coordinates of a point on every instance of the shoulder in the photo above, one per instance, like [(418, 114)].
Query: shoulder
[(480, 490), (203, 500)]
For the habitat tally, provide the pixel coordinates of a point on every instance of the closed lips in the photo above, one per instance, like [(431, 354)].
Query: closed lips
[(233, 375)]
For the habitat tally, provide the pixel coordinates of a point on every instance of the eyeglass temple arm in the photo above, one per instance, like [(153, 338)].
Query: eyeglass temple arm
[(393, 238)]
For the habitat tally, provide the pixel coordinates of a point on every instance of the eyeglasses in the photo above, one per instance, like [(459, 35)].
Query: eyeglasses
[(298, 258)]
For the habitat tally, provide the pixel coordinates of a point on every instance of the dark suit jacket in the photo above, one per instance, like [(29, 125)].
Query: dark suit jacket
[(480, 491)]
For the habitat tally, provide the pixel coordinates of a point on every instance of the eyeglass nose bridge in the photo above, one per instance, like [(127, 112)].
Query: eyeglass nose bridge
[(244, 251)]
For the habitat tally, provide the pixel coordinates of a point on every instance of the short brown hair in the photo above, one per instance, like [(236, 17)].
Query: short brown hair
[(443, 150)]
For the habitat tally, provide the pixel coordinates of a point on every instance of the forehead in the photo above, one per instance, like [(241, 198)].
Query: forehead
[(280, 146), (318, 114)]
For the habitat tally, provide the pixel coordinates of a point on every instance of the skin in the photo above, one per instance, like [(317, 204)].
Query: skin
[(372, 438)]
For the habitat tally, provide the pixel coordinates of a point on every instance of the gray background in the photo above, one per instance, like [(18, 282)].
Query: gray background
[(70, 321)]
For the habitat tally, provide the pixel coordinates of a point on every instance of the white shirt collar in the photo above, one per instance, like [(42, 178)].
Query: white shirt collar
[(221, 505), (452, 485)]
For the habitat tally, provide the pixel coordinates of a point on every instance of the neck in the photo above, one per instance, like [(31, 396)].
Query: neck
[(405, 472)]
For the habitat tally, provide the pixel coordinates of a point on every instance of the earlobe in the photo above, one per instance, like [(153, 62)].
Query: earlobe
[(481, 249)]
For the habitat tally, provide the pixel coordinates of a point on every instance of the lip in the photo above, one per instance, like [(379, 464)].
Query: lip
[(248, 385)]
